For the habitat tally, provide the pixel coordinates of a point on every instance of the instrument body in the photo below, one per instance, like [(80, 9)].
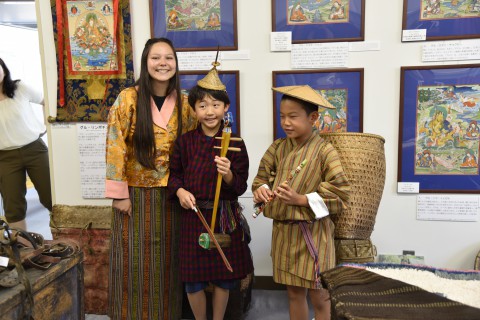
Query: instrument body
[(220, 240), (212, 237), (205, 241)]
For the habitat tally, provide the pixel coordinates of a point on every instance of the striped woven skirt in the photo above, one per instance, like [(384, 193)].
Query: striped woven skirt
[(144, 279), (293, 265)]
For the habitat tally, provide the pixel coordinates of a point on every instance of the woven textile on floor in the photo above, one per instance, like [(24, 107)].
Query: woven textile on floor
[(357, 293)]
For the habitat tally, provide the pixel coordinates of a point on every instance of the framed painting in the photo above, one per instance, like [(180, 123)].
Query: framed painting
[(195, 25), (343, 88), (443, 19), (231, 79), (439, 128), (320, 21)]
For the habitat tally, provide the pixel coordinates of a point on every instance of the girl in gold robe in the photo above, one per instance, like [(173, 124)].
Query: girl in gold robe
[(143, 124)]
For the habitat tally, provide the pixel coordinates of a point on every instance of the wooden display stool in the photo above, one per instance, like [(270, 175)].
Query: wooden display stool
[(57, 293)]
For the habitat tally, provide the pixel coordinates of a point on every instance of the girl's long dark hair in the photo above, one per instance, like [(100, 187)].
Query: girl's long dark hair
[(9, 86), (143, 137)]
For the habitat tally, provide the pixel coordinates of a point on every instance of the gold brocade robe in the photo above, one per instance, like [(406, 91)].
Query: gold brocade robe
[(123, 169), (323, 173)]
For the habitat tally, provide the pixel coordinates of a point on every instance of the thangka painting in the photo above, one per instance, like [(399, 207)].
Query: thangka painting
[(333, 120), (449, 9), (447, 137), (317, 11), (96, 64), (439, 132), (443, 19), (320, 20), (91, 48), (195, 25), (191, 15)]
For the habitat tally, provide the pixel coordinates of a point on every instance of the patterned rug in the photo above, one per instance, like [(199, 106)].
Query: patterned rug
[(458, 285), (358, 293)]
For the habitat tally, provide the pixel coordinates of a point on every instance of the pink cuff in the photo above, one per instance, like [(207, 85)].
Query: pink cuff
[(116, 189)]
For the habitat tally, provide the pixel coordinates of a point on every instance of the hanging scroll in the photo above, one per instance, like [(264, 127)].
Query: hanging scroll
[(96, 64)]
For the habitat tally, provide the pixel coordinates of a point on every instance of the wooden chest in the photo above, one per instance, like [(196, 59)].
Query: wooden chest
[(57, 293)]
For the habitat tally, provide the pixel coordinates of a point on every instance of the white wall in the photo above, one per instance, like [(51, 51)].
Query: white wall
[(444, 244)]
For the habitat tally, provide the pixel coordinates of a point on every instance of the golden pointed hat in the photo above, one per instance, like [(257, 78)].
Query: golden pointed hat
[(211, 80), (305, 93)]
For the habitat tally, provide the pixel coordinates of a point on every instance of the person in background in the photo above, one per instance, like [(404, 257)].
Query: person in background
[(143, 124), (303, 182), (22, 150)]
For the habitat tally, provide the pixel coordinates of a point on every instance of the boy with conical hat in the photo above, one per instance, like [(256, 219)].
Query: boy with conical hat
[(194, 167), (302, 182)]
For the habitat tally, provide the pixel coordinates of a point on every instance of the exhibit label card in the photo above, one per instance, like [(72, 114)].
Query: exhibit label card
[(235, 55), (281, 41), (91, 139), (451, 50), (196, 60), (373, 45), (319, 55), (414, 35), (408, 187), (448, 207)]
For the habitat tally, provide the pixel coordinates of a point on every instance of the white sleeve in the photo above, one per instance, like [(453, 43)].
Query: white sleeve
[(31, 93), (317, 205)]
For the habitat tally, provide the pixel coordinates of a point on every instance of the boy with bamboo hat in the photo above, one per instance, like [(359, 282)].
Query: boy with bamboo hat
[(301, 180), (193, 168)]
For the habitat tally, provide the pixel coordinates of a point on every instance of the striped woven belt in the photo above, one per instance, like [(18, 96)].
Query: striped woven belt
[(206, 204), (293, 221)]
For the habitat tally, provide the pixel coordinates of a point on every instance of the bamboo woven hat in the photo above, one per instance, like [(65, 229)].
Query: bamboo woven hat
[(211, 80), (306, 93)]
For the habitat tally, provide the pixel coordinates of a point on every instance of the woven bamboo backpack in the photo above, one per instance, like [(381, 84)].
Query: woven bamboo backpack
[(363, 160)]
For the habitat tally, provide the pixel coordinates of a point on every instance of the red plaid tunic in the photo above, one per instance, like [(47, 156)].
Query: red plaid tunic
[(192, 167)]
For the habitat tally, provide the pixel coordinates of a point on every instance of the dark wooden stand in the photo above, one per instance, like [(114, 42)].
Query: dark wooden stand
[(57, 293)]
